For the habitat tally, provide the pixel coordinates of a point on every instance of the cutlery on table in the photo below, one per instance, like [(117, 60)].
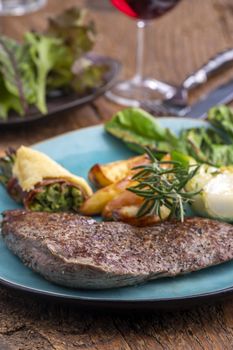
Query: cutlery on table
[(223, 94), (177, 102)]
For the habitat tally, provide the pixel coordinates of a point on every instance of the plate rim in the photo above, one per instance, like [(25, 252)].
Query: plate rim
[(114, 302), (101, 126), (163, 303)]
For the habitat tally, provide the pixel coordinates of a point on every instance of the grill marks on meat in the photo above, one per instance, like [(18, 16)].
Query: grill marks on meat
[(79, 252)]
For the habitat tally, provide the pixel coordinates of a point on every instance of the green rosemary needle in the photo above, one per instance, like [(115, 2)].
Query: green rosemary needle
[(162, 184)]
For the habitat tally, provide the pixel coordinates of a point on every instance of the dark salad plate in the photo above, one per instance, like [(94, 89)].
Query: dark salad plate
[(58, 103)]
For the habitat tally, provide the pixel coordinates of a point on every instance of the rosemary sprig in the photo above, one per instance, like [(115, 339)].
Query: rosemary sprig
[(162, 183)]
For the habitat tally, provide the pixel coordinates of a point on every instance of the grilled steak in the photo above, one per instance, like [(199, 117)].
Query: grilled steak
[(79, 252)]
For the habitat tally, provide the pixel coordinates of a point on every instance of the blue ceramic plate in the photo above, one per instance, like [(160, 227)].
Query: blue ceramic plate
[(78, 151)]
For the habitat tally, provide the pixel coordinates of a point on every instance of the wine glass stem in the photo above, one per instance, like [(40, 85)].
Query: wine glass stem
[(1, 21), (140, 51)]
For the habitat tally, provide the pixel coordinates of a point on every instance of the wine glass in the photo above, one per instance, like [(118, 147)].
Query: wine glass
[(19, 7), (132, 92)]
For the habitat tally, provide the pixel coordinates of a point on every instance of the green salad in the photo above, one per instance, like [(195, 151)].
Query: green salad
[(48, 61)]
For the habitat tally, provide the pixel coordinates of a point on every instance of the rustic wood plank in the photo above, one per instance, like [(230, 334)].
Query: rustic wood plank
[(60, 327), (177, 44)]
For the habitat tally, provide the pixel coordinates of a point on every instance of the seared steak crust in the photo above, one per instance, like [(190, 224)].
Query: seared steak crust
[(79, 252)]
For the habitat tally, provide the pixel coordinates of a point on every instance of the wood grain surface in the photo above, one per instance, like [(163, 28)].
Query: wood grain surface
[(176, 44)]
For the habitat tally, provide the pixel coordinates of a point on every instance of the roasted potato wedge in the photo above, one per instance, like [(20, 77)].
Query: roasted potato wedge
[(129, 215), (125, 199), (106, 176), (125, 208), (102, 175), (95, 204)]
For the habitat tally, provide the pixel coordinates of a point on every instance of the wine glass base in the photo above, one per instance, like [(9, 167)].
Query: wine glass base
[(132, 92)]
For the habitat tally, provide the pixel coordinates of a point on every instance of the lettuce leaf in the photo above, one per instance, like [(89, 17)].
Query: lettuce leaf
[(88, 75), (78, 37), (45, 52), (8, 102), (17, 76), (71, 27)]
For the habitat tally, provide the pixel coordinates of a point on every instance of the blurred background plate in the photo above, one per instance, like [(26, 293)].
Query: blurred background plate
[(61, 103)]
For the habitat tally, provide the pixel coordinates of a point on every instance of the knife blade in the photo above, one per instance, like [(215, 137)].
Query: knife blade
[(223, 94)]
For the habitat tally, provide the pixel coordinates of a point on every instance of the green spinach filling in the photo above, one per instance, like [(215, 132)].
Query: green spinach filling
[(57, 197)]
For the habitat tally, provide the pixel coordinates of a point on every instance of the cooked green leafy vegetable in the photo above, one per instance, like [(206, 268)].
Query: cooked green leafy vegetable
[(207, 146), (47, 61), (134, 125), (222, 118), (138, 129)]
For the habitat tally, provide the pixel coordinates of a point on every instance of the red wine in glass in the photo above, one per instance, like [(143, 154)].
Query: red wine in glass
[(144, 9), (133, 91)]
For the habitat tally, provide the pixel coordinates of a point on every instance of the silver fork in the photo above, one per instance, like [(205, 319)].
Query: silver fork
[(176, 103)]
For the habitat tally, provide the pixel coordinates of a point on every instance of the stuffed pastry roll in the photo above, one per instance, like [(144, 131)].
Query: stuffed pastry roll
[(40, 183)]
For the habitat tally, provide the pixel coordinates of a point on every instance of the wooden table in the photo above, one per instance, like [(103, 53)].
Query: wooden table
[(178, 43)]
